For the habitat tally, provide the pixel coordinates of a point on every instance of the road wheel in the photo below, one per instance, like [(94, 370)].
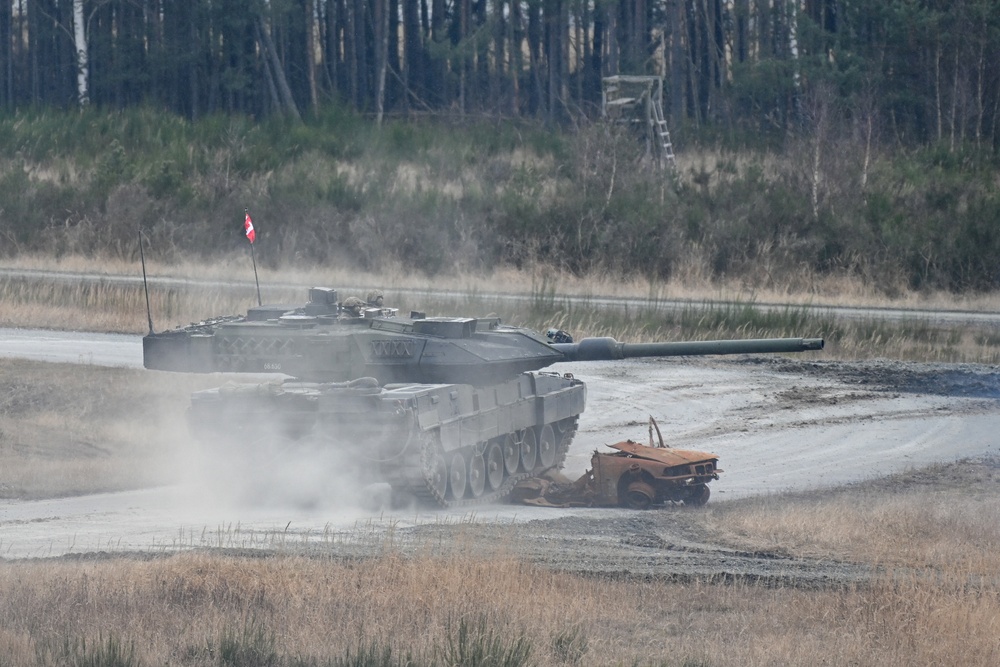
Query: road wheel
[(436, 473), (638, 496), (547, 447), (511, 454), (477, 475), (529, 450), (457, 475), (494, 465)]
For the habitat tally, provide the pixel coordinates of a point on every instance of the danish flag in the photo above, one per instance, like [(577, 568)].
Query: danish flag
[(248, 228)]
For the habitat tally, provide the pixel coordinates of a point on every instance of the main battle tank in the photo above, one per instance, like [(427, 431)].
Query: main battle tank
[(453, 411)]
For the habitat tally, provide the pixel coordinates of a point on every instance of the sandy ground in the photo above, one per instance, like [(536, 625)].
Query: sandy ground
[(777, 424)]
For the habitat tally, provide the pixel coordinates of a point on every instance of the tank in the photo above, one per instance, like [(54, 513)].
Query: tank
[(451, 411)]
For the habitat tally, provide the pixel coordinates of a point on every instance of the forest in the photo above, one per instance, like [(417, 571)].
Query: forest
[(813, 137), (926, 70)]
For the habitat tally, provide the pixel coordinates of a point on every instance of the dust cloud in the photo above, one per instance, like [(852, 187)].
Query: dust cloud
[(262, 472)]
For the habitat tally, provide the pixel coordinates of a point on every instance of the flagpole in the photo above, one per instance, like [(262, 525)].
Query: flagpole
[(251, 236), (255, 273), (145, 285)]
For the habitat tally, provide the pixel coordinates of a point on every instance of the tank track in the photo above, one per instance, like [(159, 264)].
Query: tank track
[(413, 475)]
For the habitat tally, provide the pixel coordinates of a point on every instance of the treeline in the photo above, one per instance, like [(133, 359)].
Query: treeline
[(909, 71)]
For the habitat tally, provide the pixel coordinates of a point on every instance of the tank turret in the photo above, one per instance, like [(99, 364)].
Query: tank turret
[(327, 342), (451, 410)]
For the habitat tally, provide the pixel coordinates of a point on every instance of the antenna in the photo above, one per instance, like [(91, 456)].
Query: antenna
[(251, 236), (145, 285)]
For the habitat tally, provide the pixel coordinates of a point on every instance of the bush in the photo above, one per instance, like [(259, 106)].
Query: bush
[(443, 198)]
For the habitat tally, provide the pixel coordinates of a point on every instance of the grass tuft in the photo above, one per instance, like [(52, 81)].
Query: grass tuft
[(252, 645), (570, 644), (102, 653), (375, 654), (479, 644)]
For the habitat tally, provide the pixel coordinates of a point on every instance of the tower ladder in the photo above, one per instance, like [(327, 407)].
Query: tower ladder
[(660, 125)]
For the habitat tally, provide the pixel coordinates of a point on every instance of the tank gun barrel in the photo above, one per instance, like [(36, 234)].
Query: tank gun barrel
[(607, 349)]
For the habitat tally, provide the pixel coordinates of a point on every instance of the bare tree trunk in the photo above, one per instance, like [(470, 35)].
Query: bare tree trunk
[(741, 50), (639, 35), (6, 55), (818, 111), (80, 40), (716, 51), (439, 33), (980, 76), (463, 58), (480, 70), (578, 39), (937, 89), (272, 90), (535, 31), (332, 47), (866, 162), (793, 50), (817, 144), (699, 65), (498, 76), (284, 92), (382, 16), (596, 62), (311, 53), (515, 55), (563, 28), (193, 67), (359, 54), (613, 53), (412, 53), (866, 114), (394, 84), (954, 100), (677, 61), (351, 53), (33, 21), (996, 119), (554, 50)]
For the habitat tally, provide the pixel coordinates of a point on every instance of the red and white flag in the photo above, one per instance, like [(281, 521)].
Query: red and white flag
[(248, 228)]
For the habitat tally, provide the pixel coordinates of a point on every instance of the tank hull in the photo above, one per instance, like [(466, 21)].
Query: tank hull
[(445, 444)]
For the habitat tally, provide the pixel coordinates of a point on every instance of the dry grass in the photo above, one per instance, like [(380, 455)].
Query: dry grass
[(942, 517), (179, 610), (691, 282)]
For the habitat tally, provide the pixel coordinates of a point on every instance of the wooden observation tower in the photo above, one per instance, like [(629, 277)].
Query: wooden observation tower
[(637, 101)]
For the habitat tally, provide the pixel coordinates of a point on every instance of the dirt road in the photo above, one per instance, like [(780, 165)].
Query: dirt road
[(776, 424)]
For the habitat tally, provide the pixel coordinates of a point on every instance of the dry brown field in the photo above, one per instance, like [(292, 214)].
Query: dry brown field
[(928, 541), (106, 309)]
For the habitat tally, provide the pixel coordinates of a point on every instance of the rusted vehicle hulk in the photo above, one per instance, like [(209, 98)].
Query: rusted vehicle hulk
[(636, 476)]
